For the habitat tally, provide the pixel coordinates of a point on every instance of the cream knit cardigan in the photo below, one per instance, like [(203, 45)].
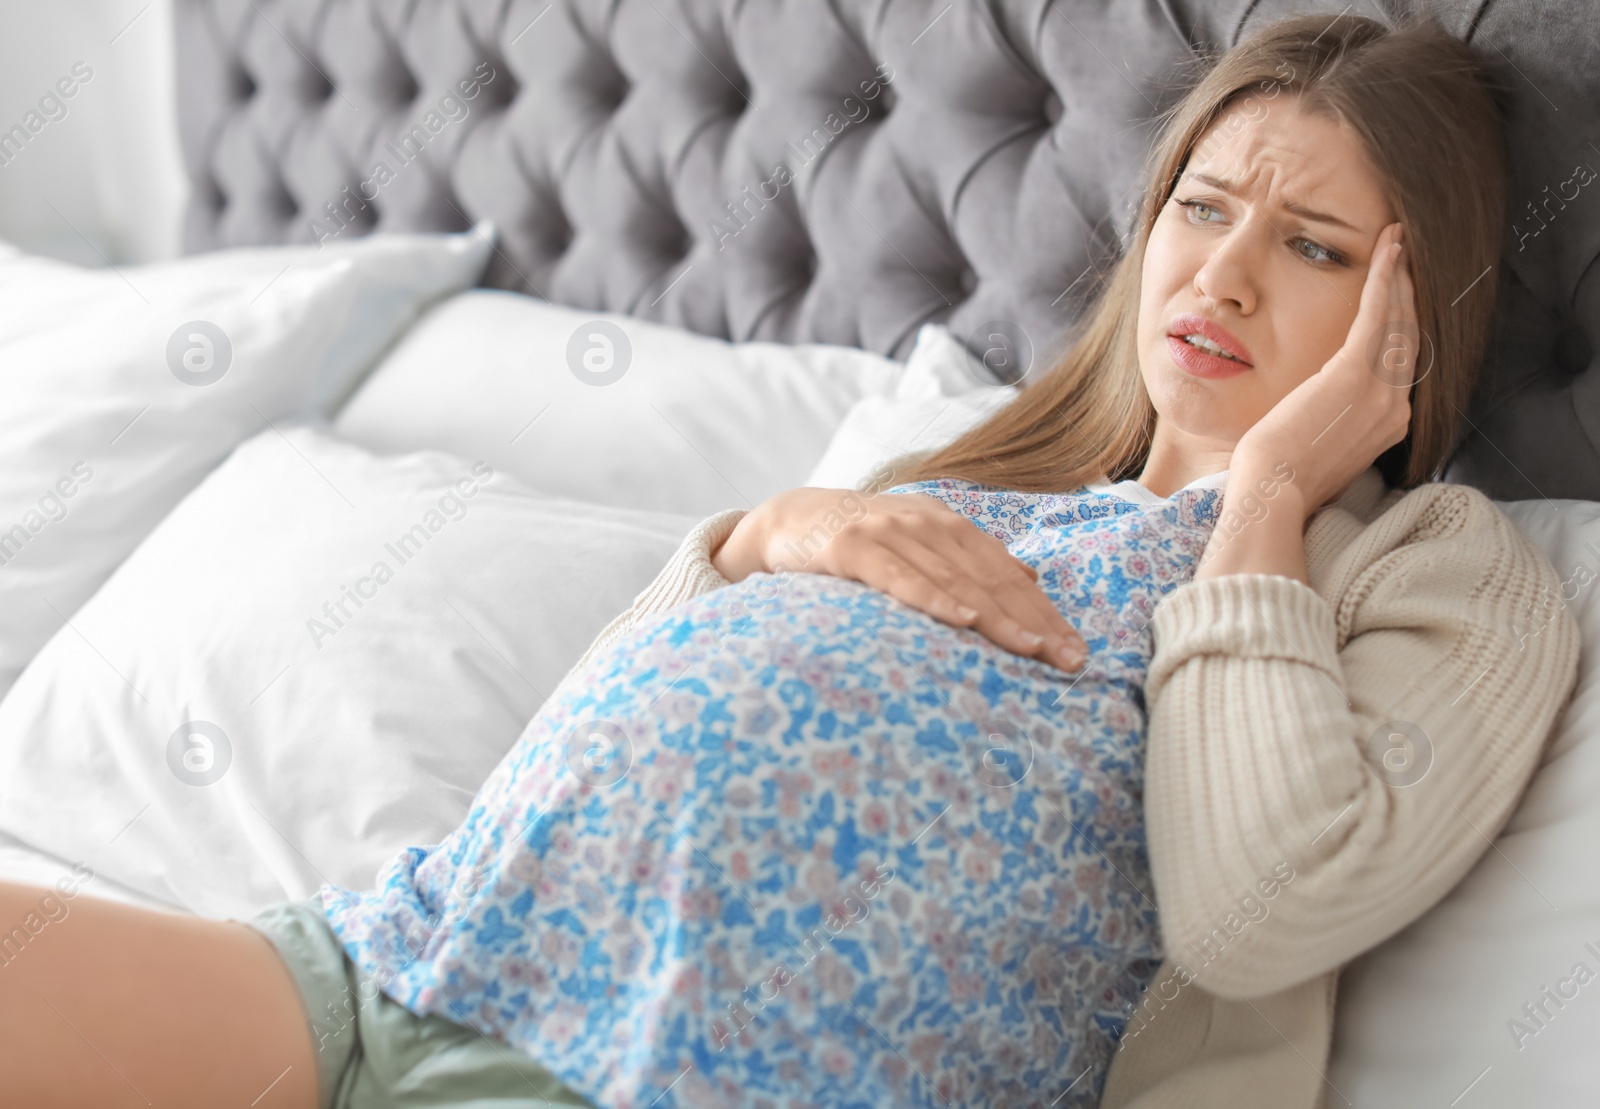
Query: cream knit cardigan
[(1283, 842)]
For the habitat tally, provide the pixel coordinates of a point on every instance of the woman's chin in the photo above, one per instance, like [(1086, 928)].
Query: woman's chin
[(1193, 408), (1188, 399)]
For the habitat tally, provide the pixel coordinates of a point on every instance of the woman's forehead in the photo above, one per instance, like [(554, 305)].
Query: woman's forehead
[(1307, 164)]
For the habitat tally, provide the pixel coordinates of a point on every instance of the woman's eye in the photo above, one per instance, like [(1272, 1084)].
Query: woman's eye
[(1328, 255), (1193, 205)]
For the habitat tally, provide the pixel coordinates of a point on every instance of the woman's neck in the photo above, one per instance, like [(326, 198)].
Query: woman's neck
[(1167, 470)]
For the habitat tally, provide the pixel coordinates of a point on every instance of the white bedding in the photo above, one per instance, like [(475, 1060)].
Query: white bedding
[(21, 863), (311, 664), (351, 744), (122, 389), (605, 408)]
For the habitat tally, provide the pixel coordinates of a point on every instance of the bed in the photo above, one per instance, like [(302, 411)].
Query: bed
[(542, 273)]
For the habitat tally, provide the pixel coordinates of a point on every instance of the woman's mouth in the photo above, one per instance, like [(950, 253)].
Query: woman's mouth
[(1205, 348), (1201, 362)]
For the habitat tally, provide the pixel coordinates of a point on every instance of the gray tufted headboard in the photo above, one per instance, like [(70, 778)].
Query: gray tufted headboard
[(840, 171)]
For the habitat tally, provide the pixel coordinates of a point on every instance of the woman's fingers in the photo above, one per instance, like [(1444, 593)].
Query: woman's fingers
[(1375, 311), (895, 574), (1405, 290), (1405, 293), (988, 562), (933, 582), (921, 551), (1386, 319), (1006, 593), (992, 572)]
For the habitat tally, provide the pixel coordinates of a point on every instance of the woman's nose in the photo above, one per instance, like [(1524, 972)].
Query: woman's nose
[(1229, 271)]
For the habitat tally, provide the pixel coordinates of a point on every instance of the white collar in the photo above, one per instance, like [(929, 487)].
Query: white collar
[(1130, 490)]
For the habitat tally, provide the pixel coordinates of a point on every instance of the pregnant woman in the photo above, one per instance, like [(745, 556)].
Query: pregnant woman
[(1064, 767)]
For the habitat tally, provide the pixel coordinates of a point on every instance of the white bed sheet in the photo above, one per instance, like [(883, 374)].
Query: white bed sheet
[(24, 864)]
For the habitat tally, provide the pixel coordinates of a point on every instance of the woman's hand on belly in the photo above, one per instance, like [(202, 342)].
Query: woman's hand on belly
[(913, 547)]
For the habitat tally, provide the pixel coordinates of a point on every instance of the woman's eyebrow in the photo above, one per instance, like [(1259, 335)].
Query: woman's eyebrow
[(1288, 205)]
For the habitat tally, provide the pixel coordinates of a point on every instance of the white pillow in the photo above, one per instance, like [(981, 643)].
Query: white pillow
[(611, 409), (938, 398), (941, 365), (124, 387), (351, 732), (1428, 1015)]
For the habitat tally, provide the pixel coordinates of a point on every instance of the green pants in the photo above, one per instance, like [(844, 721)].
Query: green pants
[(374, 1053)]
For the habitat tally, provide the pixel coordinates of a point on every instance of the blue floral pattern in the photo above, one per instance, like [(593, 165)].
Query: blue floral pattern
[(795, 843)]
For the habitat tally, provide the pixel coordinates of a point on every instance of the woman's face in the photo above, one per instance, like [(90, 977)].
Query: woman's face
[(1249, 257)]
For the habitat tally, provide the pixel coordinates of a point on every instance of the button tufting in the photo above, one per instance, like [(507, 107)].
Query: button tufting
[(506, 85), (617, 91), (405, 85), (1571, 353), (886, 100), (738, 86), (882, 207), (283, 204), (682, 243)]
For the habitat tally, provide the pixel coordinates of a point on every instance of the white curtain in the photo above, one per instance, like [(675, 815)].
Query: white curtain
[(94, 174)]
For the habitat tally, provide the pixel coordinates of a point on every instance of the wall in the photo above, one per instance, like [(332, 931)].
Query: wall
[(99, 177)]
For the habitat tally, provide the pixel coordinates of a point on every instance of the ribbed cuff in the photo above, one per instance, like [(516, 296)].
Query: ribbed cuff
[(688, 573), (1246, 616)]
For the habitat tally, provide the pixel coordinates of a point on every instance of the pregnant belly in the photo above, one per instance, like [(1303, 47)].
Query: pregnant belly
[(801, 659), (793, 810)]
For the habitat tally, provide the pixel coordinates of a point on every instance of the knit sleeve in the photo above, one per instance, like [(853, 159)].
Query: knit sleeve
[(688, 573), (1318, 777)]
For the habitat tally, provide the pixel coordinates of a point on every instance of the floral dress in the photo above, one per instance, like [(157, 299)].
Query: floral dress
[(793, 843)]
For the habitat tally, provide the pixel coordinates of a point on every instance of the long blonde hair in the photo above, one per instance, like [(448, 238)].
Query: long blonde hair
[(1431, 115)]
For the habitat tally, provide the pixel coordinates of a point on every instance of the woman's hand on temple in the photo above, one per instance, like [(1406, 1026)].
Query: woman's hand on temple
[(916, 549), (1336, 423)]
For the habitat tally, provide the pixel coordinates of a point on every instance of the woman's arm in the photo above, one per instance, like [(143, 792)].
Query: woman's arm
[(1288, 831)]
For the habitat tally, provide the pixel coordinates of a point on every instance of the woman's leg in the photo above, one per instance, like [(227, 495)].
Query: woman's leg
[(107, 1005)]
